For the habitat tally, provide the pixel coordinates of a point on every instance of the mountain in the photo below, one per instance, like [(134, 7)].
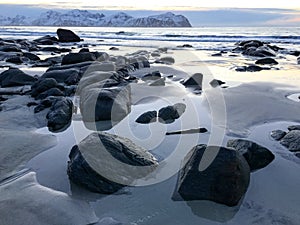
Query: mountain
[(84, 18)]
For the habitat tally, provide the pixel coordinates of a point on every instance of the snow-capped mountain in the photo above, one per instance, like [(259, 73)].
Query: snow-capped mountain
[(84, 18)]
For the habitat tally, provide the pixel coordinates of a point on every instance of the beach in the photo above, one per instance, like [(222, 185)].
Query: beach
[(246, 101)]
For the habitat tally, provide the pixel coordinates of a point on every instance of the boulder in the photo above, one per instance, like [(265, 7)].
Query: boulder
[(166, 60), (152, 76), (147, 117), (10, 48), (68, 76), (46, 40), (42, 85), (266, 61), (99, 104), (215, 83), (105, 163), (224, 181), (278, 134), (292, 140), (14, 59), (250, 43), (51, 92), (31, 56), (298, 60), (170, 113), (294, 127), (15, 77), (262, 51), (65, 35), (60, 114), (194, 81), (46, 103), (217, 54), (256, 155), (73, 58)]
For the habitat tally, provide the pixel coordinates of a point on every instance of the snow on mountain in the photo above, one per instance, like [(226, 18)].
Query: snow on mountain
[(84, 18)]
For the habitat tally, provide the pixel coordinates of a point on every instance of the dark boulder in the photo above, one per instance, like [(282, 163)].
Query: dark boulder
[(266, 61), (14, 59), (31, 56), (46, 103), (60, 115), (65, 35), (68, 76), (43, 84), (298, 60), (257, 156), (15, 77), (215, 83), (147, 117), (217, 54), (114, 49), (250, 43), (73, 58), (112, 103), (251, 68), (194, 81), (292, 140), (294, 127), (224, 181), (51, 92), (278, 134), (152, 76), (170, 113), (105, 163), (263, 51), (46, 40), (10, 48)]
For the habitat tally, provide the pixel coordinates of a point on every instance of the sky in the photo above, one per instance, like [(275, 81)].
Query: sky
[(199, 12)]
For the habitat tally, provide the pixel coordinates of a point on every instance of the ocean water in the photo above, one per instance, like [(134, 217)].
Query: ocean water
[(202, 38)]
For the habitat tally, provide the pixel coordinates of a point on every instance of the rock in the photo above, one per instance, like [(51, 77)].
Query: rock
[(65, 35), (225, 181), (266, 61), (46, 103), (189, 131), (194, 81), (292, 140), (187, 46), (294, 127), (51, 92), (297, 154), (257, 156), (262, 51), (114, 49), (73, 58), (250, 43), (14, 59), (166, 60), (54, 49), (155, 54), (43, 84), (10, 48), (159, 82), (98, 104), (15, 77), (215, 83), (155, 75), (31, 56), (60, 114), (105, 163), (278, 134), (84, 50), (251, 68), (217, 54), (170, 113), (68, 76), (298, 60), (147, 117), (46, 40)]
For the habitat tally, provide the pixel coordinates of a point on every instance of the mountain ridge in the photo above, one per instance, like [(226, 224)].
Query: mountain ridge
[(83, 18)]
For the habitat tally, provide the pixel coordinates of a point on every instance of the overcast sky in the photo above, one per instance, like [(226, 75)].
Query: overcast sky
[(199, 12)]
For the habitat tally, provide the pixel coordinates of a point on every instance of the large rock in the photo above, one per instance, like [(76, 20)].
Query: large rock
[(73, 58), (99, 104), (42, 85), (298, 60), (278, 134), (292, 140), (15, 77), (224, 181), (60, 114), (105, 163), (262, 51), (266, 61), (257, 156), (51, 92), (69, 76), (65, 35), (294, 127), (194, 81), (46, 40), (170, 113), (147, 117)]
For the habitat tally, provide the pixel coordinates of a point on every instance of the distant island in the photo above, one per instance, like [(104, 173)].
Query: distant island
[(85, 18)]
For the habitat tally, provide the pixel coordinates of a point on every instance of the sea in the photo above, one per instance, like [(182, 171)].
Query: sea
[(201, 38)]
